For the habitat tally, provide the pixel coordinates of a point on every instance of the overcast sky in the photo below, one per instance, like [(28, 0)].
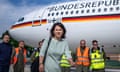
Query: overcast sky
[(12, 10)]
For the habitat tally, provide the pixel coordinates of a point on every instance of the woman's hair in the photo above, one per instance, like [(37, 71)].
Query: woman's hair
[(60, 25)]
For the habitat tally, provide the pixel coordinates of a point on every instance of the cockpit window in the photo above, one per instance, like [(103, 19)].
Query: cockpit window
[(21, 19)]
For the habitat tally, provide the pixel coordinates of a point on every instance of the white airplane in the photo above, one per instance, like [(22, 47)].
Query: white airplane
[(85, 19)]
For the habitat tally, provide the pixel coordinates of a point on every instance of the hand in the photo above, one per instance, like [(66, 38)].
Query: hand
[(73, 64), (41, 68)]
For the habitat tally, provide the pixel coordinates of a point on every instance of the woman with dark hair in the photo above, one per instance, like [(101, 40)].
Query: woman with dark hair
[(58, 46)]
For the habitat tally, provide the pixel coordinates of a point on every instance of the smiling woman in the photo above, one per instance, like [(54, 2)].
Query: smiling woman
[(57, 46)]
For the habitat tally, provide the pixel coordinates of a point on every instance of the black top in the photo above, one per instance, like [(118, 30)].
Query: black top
[(5, 53)]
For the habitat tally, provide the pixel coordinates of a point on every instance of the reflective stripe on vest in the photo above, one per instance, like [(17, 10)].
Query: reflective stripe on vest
[(97, 60), (15, 58), (82, 59), (64, 62)]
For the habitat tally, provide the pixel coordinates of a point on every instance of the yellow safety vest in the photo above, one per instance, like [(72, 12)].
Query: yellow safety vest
[(64, 62), (97, 60), (36, 54)]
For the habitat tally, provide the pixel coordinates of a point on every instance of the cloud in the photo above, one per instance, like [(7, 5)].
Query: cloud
[(9, 13)]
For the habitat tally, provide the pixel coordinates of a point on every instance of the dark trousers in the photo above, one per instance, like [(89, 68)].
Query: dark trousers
[(35, 65), (19, 68), (65, 69), (81, 68), (4, 68), (100, 70)]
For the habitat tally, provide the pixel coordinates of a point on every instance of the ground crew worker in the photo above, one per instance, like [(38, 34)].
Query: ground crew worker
[(35, 58), (19, 58), (83, 60), (97, 56), (64, 63), (5, 54)]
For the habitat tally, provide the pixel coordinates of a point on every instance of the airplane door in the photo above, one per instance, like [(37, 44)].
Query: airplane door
[(39, 19)]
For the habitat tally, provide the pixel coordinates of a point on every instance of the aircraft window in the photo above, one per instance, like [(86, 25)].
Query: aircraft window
[(99, 10), (61, 13), (52, 14), (82, 11), (105, 9), (93, 10), (77, 12), (66, 12), (71, 12), (57, 13), (117, 8), (88, 11), (111, 9), (49, 14), (21, 19)]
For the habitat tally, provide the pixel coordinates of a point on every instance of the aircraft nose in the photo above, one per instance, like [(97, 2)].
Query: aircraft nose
[(11, 30)]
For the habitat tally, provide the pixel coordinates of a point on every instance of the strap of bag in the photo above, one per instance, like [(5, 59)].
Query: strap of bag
[(46, 50)]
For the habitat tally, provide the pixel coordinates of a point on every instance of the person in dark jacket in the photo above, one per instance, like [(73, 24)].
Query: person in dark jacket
[(35, 58), (5, 54)]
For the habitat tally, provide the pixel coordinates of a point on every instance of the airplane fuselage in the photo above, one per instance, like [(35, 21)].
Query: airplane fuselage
[(88, 19)]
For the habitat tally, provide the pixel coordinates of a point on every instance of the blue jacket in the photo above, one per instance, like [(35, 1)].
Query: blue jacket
[(5, 53)]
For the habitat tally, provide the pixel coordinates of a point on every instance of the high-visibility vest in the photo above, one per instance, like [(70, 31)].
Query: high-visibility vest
[(36, 53), (97, 60), (15, 58), (64, 61), (83, 59)]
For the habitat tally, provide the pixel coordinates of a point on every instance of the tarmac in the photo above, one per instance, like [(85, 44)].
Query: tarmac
[(27, 69)]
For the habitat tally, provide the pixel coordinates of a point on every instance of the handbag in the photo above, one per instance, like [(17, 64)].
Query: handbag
[(46, 50)]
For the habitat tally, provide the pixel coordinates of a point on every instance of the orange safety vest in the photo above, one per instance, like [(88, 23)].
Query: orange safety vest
[(83, 59), (15, 58)]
